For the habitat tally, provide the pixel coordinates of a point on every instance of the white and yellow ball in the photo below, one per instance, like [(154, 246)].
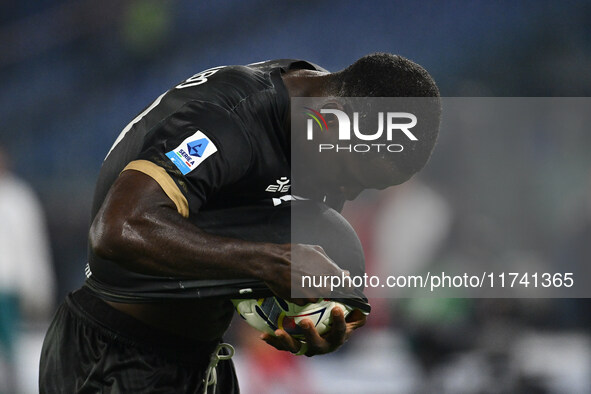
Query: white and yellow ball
[(272, 313)]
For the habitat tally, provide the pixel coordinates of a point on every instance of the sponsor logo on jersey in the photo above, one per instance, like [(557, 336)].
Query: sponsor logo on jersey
[(192, 152), (282, 199), (282, 186)]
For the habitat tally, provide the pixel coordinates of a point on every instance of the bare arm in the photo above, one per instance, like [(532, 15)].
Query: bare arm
[(139, 227)]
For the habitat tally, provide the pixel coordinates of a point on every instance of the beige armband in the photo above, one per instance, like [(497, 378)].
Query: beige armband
[(164, 180)]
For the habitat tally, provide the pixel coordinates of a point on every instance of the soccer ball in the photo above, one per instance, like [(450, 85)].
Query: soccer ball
[(272, 313)]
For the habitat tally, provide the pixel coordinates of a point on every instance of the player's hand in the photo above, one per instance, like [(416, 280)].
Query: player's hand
[(299, 260), (316, 344)]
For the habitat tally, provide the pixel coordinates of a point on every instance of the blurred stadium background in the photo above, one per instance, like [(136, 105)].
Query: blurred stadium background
[(75, 72)]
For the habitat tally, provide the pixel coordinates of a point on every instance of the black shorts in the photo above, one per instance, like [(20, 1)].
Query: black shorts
[(91, 347)]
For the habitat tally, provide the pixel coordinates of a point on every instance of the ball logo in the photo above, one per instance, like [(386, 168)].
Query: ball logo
[(388, 123)]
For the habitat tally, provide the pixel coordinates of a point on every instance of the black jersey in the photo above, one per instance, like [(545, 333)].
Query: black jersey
[(218, 144), (222, 132)]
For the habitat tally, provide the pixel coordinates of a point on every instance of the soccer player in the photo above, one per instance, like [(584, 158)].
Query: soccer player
[(178, 206)]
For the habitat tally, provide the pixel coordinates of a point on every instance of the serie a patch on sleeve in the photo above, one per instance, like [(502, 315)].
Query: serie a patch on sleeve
[(192, 152)]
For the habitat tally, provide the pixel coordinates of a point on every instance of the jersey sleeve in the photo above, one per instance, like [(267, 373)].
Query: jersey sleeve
[(195, 153)]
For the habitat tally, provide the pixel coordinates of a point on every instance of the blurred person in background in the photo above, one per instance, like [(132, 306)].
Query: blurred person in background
[(26, 276)]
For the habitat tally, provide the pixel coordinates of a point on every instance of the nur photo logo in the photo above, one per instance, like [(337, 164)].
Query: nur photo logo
[(389, 125)]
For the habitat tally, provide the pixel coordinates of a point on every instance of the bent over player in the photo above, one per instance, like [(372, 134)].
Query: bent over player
[(175, 193)]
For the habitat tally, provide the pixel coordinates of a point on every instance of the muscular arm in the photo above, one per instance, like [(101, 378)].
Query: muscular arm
[(138, 227)]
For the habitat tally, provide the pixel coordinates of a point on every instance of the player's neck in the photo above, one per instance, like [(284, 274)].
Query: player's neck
[(305, 83)]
